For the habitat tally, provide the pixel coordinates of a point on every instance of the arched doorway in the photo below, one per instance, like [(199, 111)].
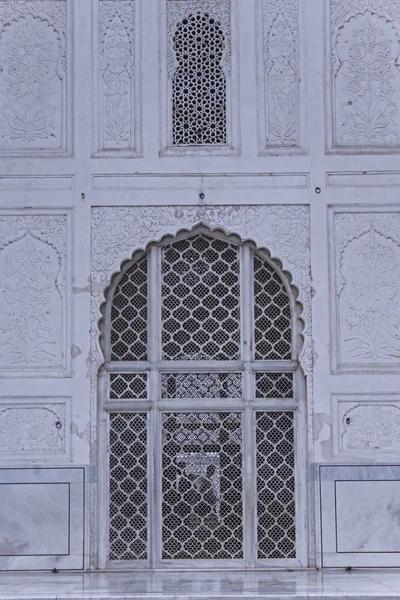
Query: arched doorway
[(201, 394)]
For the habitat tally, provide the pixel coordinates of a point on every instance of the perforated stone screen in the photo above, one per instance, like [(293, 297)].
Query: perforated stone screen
[(200, 300), (202, 486), (202, 330), (199, 84), (276, 507), (129, 315), (128, 486)]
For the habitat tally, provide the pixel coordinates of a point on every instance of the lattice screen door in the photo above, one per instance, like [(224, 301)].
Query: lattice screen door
[(202, 393)]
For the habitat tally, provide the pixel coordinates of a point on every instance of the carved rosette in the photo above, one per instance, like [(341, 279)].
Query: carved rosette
[(179, 9), (33, 63), (280, 41)]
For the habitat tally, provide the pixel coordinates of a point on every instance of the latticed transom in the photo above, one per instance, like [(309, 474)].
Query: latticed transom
[(127, 386), (272, 317), (202, 511), (201, 385), (274, 385), (276, 509), (199, 84), (129, 315), (200, 300), (128, 486)]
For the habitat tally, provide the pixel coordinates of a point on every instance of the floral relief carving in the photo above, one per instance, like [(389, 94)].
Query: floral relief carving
[(116, 22), (368, 288), (370, 427), (32, 428), (280, 23), (32, 292), (179, 9), (32, 75), (371, 268), (367, 81)]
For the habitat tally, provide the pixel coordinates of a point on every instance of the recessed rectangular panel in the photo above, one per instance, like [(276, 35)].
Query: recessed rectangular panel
[(42, 518), (360, 507), (34, 519), (368, 516)]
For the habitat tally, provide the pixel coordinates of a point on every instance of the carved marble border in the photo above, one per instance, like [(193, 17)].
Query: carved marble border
[(338, 13), (346, 225), (35, 429), (171, 11), (366, 426), (53, 226), (60, 16), (119, 231), (281, 68), (126, 134)]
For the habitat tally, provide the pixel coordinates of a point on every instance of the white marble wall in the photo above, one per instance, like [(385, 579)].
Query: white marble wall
[(311, 169)]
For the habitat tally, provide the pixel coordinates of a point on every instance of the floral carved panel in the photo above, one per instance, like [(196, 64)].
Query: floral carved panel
[(364, 76), (366, 330), (33, 77), (364, 425), (33, 428), (34, 295), (118, 95), (280, 77)]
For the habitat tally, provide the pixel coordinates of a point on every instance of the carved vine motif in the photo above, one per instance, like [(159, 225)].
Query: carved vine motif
[(281, 68), (179, 9), (29, 271), (366, 78), (371, 427), (117, 68), (371, 269), (32, 70), (32, 428)]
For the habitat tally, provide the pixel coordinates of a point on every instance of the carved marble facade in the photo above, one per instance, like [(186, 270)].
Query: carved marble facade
[(125, 123)]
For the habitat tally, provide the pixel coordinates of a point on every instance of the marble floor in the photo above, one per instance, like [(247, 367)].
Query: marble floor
[(234, 585)]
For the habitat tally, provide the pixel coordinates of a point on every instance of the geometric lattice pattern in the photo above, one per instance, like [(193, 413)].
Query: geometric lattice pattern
[(276, 514), (274, 385), (129, 315), (199, 85), (272, 315), (200, 300), (201, 385), (125, 386), (128, 486), (202, 486)]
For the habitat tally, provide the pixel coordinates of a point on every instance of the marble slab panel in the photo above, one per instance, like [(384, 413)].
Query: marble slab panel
[(360, 515), (42, 518)]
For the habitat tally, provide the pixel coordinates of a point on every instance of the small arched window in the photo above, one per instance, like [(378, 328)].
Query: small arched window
[(199, 85), (203, 382)]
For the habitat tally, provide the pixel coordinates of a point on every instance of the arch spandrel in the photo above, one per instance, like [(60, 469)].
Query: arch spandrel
[(282, 230)]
